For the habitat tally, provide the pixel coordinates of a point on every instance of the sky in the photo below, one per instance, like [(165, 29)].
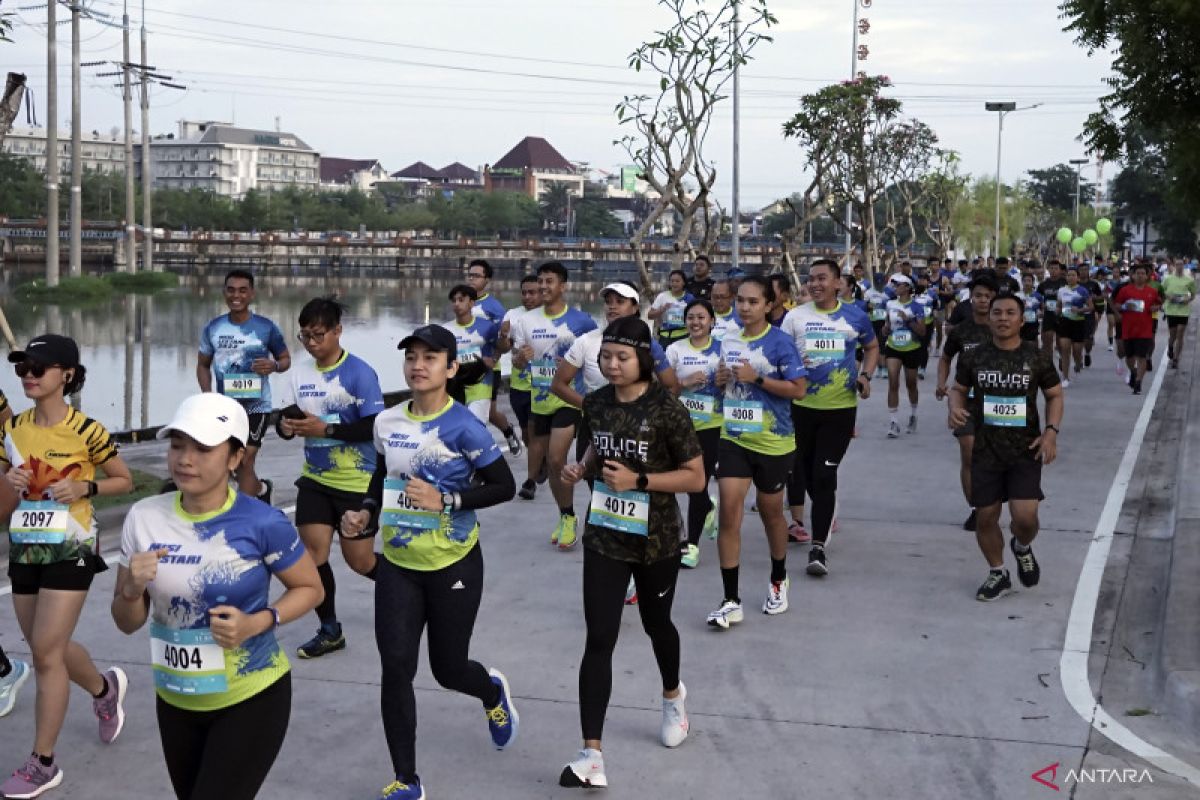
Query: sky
[(465, 80)]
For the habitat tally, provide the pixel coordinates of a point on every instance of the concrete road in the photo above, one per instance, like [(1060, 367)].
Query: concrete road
[(885, 679)]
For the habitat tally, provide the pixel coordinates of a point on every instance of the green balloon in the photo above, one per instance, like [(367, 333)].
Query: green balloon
[(1091, 237), (1103, 226), (1064, 235), (1079, 244)]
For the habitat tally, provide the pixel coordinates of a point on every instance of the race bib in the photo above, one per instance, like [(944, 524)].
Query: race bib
[(824, 346), (187, 661), (901, 338), (321, 441), (1052, 306), (702, 407), (468, 353), (1004, 412), (628, 512), (541, 373), (38, 522), (1030, 316), (1136, 306), (1180, 298), (674, 317), (242, 386), (399, 512), (878, 314), (743, 416)]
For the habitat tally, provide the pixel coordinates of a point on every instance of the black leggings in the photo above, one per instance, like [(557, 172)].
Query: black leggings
[(699, 503), (405, 600), (822, 438), (604, 582), (225, 754)]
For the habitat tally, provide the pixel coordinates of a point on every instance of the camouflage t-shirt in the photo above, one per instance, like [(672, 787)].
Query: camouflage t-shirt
[(653, 433), (1005, 386), (966, 336)]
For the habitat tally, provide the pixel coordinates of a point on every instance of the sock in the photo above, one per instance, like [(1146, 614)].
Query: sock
[(895, 414), (567, 511), (997, 570), (47, 761), (327, 610), (1020, 548), (5, 665), (103, 692), (729, 580), (914, 408), (778, 569)]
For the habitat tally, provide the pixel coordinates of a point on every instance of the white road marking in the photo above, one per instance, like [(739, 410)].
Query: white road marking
[(1077, 646)]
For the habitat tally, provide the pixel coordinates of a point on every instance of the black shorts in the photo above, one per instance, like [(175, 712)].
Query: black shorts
[(910, 359), (769, 473), (521, 401), (1139, 348), (1091, 321), (258, 429), (542, 424), (1073, 329), (967, 429), (1050, 321), (496, 378), (66, 576), (992, 484), (1029, 332), (1176, 322), (317, 504)]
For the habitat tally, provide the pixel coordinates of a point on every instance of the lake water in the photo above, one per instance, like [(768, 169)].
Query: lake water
[(140, 350)]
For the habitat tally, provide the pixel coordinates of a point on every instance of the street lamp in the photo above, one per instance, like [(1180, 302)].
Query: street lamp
[(1003, 109), (1079, 164)]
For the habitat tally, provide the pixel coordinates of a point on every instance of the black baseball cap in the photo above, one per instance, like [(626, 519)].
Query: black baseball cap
[(437, 337), (49, 349)]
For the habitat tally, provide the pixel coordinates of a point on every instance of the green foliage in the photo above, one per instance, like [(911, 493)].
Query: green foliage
[(593, 220), (144, 485), (141, 282), (1055, 187), (69, 290)]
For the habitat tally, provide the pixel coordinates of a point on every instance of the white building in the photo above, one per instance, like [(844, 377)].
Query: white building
[(231, 161), (344, 174), (100, 152)]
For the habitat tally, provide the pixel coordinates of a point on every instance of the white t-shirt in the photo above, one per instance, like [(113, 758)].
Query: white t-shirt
[(585, 354), (673, 318)]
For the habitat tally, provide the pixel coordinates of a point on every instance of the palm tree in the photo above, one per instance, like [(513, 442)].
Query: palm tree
[(554, 202)]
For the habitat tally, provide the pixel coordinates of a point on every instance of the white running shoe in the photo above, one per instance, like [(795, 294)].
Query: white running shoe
[(1065, 384), (675, 719), (631, 593), (912, 424), (587, 770), (777, 602), (893, 430), (11, 683), (730, 613)]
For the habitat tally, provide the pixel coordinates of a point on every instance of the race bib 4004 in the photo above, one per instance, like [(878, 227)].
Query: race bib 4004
[(399, 511), (187, 661)]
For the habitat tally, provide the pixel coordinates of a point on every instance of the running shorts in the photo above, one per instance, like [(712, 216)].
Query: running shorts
[(258, 429), (1139, 348), (521, 401), (1021, 480), (317, 504), (1073, 329), (1176, 322), (769, 473), (72, 575), (910, 359), (542, 424)]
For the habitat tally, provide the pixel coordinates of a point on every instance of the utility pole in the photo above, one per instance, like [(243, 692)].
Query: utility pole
[(52, 175), (130, 221), (147, 179), (1079, 164), (75, 258), (1004, 109), (849, 205), (735, 243)]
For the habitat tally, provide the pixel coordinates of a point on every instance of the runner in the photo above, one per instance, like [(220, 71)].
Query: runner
[(1033, 307), (760, 372), (476, 338), (1074, 304), (695, 363), (1048, 289), (726, 318), (964, 338), (1100, 309), (436, 465), (997, 386), (1179, 289), (700, 285), (1137, 303), (667, 309), (479, 276), (242, 349), (782, 286), (197, 563), (51, 455), (928, 297), (877, 301), (827, 334), (904, 328), (519, 387), (331, 400), (540, 341), (642, 452)]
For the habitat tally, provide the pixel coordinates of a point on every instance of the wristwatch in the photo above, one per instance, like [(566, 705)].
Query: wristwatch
[(1053, 428), (447, 502), (329, 430), (759, 380), (643, 481), (93, 489), (274, 614)]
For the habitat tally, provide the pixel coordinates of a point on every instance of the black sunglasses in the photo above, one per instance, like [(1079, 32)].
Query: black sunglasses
[(33, 368)]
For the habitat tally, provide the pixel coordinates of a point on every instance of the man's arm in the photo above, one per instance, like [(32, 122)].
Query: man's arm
[(204, 372)]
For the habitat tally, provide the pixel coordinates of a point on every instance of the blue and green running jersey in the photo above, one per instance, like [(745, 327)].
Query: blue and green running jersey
[(233, 348), (671, 324), (224, 558), (550, 336), (1072, 302), (703, 403), (827, 342), (343, 393), (900, 315), (442, 449), (489, 308), (724, 323), (518, 379), (753, 417), (476, 341)]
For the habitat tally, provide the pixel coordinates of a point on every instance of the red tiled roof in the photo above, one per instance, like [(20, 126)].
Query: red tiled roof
[(534, 152), (419, 170), (338, 170)]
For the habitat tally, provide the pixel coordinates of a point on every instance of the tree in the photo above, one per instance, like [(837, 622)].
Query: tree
[(593, 220), (555, 201), (944, 190), (693, 59), (1055, 187), (1155, 83), (1142, 192)]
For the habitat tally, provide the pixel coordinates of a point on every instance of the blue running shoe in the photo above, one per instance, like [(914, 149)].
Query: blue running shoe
[(399, 790), (503, 720)]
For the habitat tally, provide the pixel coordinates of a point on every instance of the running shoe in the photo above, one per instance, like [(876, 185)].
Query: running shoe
[(1110, 348), (1170, 353), (1137, 387), (565, 535), (730, 613), (327, 640), (776, 601), (1028, 570), (675, 719), (893, 430), (11, 683), (514, 443), (503, 720), (399, 790), (710, 521), (1065, 383), (921, 373), (797, 534), (631, 593), (816, 562), (527, 490), (31, 779), (997, 584), (970, 524), (912, 424), (1087, 361), (691, 557), (110, 709), (586, 771), (267, 488)]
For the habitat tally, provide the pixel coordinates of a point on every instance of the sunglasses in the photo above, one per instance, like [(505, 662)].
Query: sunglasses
[(33, 368)]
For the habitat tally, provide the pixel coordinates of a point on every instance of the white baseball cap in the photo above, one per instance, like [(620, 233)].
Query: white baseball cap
[(900, 278), (210, 419), (622, 289)]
